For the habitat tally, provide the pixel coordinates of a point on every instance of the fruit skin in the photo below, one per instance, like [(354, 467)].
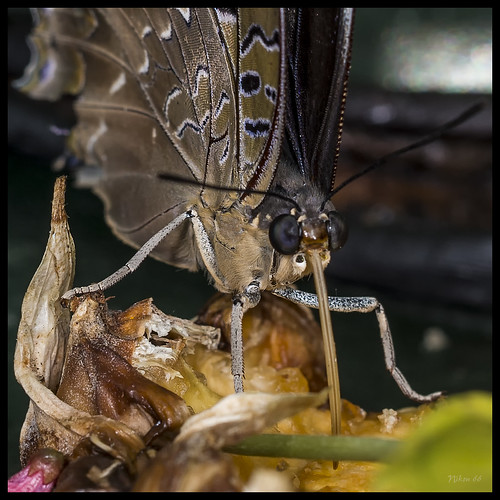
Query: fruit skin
[(40, 474)]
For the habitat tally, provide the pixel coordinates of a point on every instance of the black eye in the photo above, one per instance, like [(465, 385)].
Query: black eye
[(337, 231), (284, 234)]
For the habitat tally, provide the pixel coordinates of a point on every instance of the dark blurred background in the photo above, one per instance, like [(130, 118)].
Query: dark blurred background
[(420, 227)]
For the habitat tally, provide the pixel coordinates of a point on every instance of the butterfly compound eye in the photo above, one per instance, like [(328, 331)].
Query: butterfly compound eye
[(284, 234), (337, 230)]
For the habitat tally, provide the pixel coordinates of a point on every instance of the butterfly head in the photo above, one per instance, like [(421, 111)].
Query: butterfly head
[(289, 233), (297, 234)]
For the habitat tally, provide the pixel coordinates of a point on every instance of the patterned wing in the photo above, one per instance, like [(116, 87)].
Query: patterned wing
[(262, 79), (165, 91)]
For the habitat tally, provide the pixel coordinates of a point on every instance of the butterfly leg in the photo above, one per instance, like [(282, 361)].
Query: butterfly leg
[(363, 305), (241, 302), (132, 264)]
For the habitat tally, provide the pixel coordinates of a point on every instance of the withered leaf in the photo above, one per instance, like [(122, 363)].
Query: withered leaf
[(194, 461)]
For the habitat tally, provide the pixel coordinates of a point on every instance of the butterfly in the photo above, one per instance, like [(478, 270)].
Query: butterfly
[(213, 137)]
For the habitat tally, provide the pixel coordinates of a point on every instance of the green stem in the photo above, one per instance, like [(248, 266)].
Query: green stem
[(316, 447)]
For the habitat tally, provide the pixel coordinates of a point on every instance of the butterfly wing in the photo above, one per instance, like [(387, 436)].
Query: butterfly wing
[(169, 91), (262, 85), (319, 50)]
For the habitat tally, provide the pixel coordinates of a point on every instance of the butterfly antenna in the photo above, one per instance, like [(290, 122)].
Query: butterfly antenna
[(183, 180), (468, 113)]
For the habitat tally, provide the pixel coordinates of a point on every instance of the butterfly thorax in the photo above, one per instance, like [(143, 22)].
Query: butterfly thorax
[(241, 251), (240, 238)]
